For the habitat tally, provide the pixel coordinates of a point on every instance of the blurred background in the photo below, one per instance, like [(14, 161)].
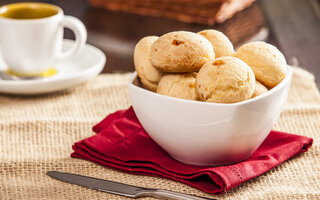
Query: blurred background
[(115, 26)]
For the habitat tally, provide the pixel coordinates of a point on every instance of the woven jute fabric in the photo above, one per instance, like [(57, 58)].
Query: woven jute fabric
[(36, 135)]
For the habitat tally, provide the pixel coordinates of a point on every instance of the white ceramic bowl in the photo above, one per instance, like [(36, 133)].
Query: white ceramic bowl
[(202, 133)]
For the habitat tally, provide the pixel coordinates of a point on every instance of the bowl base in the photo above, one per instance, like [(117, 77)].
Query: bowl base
[(211, 164)]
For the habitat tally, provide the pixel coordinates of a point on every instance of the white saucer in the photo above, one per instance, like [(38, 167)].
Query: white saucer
[(87, 64)]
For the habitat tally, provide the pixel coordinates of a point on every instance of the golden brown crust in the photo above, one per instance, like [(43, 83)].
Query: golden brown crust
[(266, 61), (225, 80), (178, 85), (259, 89), (180, 51), (148, 75), (222, 46)]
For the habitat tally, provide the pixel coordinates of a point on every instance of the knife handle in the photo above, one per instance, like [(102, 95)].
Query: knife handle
[(169, 195)]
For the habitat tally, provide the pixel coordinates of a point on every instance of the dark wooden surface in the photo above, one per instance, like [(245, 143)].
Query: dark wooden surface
[(292, 25)]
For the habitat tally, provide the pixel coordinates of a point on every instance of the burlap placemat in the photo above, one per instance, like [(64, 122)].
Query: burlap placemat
[(36, 135)]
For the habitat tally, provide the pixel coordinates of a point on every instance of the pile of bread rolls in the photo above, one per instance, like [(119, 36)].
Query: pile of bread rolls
[(204, 67)]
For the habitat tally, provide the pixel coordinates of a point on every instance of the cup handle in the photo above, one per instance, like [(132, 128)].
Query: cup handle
[(80, 33)]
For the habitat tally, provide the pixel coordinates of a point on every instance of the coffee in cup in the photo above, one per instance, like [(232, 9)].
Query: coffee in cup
[(31, 36)]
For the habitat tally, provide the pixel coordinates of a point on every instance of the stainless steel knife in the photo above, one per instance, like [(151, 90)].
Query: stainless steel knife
[(120, 188)]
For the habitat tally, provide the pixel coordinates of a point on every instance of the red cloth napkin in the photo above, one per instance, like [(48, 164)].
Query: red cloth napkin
[(121, 143)]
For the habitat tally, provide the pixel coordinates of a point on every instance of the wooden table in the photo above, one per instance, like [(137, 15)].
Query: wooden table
[(291, 25)]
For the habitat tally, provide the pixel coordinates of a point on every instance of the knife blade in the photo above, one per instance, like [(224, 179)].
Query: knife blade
[(120, 188)]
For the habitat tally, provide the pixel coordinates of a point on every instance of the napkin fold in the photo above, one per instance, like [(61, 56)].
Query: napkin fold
[(121, 143)]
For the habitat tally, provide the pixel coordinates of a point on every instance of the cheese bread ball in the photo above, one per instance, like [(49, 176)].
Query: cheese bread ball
[(178, 85), (181, 51), (266, 61), (222, 46), (225, 80), (149, 76), (259, 89)]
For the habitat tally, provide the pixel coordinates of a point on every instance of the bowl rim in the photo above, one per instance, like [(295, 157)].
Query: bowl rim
[(270, 92)]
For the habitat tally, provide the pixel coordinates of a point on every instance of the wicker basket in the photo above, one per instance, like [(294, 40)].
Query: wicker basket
[(198, 11)]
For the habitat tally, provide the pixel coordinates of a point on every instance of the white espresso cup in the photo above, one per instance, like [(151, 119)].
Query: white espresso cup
[(31, 36)]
